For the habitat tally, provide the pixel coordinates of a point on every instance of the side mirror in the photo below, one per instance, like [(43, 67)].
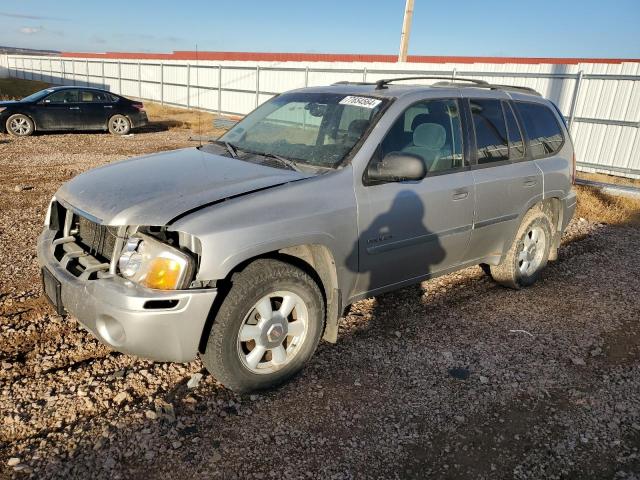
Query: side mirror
[(397, 167)]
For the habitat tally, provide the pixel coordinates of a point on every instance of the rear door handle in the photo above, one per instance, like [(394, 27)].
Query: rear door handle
[(108, 106), (460, 194), (530, 181), (74, 108)]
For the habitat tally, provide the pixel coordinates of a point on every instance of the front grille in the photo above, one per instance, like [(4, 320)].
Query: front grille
[(83, 247), (97, 240)]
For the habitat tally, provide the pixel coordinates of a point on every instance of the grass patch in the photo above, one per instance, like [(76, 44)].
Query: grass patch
[(174, 118), (15, 88), (597, 206), (603, 177)]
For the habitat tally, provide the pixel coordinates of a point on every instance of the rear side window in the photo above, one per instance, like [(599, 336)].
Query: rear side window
[(94, 96), (541, 128), (516, 145), (491, 132)]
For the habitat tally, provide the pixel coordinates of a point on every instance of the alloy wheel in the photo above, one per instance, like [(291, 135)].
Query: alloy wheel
[(272, 332)]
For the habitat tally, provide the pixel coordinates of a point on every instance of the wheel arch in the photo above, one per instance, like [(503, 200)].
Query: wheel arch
[(316, 260), (552, 207), (29, 116)]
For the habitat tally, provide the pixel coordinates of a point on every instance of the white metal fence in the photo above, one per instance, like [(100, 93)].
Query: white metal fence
[(600, 101)]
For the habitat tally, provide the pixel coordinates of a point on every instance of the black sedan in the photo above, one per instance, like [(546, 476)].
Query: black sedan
[(71, 108)]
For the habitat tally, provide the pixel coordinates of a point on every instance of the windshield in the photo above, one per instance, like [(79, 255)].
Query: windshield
[(34, 97), (318, 129)]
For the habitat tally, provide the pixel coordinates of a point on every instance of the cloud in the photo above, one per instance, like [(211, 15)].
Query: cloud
[(30, 30), (27, 17)]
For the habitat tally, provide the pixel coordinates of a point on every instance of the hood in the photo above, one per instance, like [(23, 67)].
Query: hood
[(7, 103), (154, 189)]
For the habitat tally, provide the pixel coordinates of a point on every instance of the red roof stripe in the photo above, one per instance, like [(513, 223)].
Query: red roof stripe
[(335, 57)]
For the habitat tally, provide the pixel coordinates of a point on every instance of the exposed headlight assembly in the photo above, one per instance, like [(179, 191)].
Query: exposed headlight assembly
[(153, 264)]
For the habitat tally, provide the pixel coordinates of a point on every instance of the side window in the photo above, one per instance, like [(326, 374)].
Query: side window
[(90, 96), (491, 131), (430, 130), (63, 96), (541, 128), (516, 145)]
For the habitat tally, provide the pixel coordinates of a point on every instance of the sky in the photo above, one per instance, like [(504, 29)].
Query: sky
[(538, 28)]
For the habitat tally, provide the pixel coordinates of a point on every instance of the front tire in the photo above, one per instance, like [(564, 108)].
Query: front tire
[(19, 125), (529, 253), (119, 125), (267, 327)]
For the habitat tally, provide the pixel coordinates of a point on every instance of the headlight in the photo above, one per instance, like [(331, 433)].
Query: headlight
[(2, 109), (153, 264)]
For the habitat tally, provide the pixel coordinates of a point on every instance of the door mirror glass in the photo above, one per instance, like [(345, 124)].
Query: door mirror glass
[(397, 167)]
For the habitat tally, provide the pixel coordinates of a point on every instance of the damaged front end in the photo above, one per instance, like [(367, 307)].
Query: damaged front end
[(151, 256)]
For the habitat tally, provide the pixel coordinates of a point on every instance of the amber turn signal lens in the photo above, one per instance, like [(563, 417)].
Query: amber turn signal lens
[(163, 274)]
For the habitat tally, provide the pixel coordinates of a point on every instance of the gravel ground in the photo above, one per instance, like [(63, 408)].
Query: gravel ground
[(454, 378)]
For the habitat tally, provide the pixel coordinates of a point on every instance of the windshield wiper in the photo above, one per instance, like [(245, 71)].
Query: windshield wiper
[(233, 151), (285, 161), (231, 148)]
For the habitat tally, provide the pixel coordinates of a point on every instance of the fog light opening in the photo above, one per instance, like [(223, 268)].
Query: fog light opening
[(111, 331)]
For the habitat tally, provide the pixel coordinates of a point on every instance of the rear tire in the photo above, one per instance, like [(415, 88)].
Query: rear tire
[(19, 125), (119, 125), (267, 327), (529, 253)]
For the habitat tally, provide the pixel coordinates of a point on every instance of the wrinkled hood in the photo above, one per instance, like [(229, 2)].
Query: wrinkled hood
[(154, 189)]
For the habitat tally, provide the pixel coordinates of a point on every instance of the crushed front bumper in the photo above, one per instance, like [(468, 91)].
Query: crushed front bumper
[(158, 325)]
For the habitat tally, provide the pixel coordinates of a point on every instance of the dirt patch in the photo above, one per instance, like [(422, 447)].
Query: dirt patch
[(559, 402)]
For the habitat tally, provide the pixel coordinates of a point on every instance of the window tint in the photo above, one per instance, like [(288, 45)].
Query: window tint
[(541, 128), (94, 96), (516, 145), (63, 96), (491, 131), (430, 130)]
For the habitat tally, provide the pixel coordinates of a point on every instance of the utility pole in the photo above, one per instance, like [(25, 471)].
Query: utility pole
[(406, 31)]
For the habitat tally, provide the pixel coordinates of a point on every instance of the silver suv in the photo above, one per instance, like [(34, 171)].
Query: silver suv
[(247, 250)]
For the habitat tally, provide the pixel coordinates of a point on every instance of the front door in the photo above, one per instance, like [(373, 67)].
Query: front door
[(59, 111), (410, 230)]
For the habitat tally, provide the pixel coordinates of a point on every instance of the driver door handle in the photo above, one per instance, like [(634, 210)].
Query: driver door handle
[(460, 194), (74, 108)]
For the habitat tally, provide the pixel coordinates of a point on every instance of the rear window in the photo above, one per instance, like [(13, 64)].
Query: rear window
[(541, 128)]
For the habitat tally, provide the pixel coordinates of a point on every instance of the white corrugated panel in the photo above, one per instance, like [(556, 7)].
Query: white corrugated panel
[(608, 146)]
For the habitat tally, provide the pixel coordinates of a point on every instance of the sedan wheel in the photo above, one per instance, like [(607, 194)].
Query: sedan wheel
[(19, 125), (119, 125)]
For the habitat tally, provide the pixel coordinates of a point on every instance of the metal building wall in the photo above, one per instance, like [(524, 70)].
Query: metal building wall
[(600, 100)]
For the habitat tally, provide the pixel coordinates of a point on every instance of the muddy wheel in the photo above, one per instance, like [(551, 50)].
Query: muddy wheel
[(19, 125), (529, 253), (267, 327), (119, 125)]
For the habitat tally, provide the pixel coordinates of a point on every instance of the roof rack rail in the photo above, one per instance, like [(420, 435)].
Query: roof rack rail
[(347, 82), (494, 86), (454, 82), (381, 84)]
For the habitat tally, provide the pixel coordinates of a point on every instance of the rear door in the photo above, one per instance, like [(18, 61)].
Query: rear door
[(96, 107), (547, 145), (506, 180), (409, 230), (58, 111)]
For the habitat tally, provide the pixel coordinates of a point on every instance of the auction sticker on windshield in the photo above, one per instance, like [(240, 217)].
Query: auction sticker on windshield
[(366, 102)]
